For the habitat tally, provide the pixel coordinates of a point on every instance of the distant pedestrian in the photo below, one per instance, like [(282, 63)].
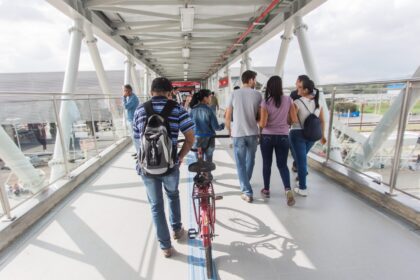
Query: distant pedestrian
[(214, 103), (244, 103), (275, 110), (130, 101)]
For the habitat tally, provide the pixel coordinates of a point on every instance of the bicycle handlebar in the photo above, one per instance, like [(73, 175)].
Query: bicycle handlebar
[(214, 136)]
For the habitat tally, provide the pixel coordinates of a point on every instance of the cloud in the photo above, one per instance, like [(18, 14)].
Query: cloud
[(351, 40), (355, 41)]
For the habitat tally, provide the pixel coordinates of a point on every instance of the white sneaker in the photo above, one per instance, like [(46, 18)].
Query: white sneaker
[(300, 192)]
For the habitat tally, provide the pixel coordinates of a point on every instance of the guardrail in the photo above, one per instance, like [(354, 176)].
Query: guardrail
[(36, 137)]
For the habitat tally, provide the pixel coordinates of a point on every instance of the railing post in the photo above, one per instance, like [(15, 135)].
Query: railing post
[(402, 121), (330, 123), (5, 204), (93, 126), (60, 129)]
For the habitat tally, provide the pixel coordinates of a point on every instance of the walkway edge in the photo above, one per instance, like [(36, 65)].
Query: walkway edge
[(36, 207), (401, 205)]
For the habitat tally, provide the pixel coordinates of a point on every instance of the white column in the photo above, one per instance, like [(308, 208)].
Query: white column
[(127, 71), (135, 79), (19, 164), (284, 47), (146, 85), (103, 80), (227, 73), (68, 110), (300, 32)]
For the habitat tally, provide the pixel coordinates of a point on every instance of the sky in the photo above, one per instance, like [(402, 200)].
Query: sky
[(351, 40)]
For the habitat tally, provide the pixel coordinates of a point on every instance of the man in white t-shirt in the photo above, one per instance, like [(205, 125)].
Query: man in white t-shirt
[(245, 104)]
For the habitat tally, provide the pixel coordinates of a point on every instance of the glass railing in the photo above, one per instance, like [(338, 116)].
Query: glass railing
[(35, 127), (376, 131)]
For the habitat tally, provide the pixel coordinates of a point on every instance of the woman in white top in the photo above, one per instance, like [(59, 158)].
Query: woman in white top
[(306, 105)]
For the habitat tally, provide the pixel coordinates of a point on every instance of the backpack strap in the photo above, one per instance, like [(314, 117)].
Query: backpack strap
[(148, 107), (307, 106), (169, 106)]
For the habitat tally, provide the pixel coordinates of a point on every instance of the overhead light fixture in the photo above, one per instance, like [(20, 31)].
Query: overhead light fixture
[(186, 66), (185, 52), (187, 19), (185, 73), (185, 79)]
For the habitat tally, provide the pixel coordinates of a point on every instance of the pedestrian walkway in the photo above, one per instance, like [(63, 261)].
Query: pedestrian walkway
[(104, 231)]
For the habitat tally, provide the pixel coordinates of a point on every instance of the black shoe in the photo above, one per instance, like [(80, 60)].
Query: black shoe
[(134, 155)]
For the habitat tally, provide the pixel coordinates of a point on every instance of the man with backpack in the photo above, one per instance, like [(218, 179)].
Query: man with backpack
[(157, 123)]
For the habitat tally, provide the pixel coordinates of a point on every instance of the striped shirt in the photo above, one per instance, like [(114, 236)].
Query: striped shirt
[(179, 120)]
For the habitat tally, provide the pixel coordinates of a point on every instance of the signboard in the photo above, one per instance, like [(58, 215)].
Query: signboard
[(186, 84), (223, 82)]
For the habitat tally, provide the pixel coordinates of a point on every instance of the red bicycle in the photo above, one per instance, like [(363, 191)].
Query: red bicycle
[(204, 205)]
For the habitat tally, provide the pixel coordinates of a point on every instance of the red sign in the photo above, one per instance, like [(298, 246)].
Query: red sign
[(223, 82), (185, 84)]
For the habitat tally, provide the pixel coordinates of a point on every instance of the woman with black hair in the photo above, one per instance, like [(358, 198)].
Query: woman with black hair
[(206, 123), (306, 105), (275, 110)]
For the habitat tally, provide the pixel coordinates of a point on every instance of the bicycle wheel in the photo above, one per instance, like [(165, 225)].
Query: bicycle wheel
[(209, 262)]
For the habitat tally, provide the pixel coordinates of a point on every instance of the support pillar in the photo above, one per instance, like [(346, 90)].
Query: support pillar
[(127, 71), (135, 79), (111, 104), (286, 38), (29, 177), (68, 110)]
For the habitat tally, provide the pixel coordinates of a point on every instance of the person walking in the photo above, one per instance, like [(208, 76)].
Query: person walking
[(295, 95), (275, 110), (244, 103), (214, 103), (177, 119), (305, 106), (130, 101), (206, 123)]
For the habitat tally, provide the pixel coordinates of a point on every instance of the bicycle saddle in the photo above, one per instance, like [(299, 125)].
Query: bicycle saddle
[(201, 166)]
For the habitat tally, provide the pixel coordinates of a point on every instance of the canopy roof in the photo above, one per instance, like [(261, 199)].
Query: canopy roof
[(213, 33)]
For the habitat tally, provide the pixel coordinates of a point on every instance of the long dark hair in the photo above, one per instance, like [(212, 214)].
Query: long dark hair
[(199, 96), (310, 86), (274, 90)]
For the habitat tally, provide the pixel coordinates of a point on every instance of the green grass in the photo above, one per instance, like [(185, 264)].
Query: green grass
[(370, 108)]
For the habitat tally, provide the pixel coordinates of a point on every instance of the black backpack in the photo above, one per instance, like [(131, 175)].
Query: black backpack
[(156, 156), (312, 129)]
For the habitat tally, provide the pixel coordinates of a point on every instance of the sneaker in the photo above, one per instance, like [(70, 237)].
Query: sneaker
[(290, 198), (265, 193), (247, 198), (300, 192), (177, 234), (167, 253), (134, 155)]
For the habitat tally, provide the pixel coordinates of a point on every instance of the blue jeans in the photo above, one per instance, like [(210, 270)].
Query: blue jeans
[(244, 149), (203, 142), (155, 196), (300, 147), (280, 145)]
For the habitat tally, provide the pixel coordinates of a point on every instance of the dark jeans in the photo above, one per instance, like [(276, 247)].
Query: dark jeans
[(280, 145), (300, 147)]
